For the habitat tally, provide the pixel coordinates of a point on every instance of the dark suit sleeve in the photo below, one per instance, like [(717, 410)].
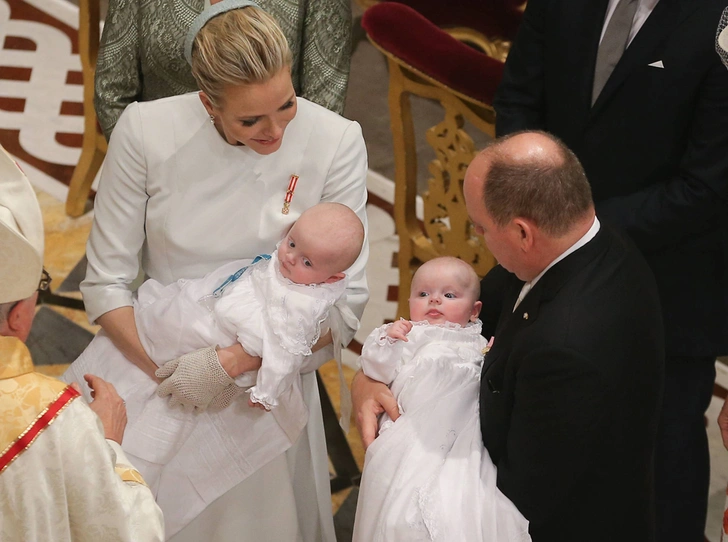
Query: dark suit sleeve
[(666, 212), (552, 437), (519, 101), (492, 294)]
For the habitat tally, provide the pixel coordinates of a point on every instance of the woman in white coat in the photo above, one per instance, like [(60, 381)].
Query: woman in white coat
[(195, 181)]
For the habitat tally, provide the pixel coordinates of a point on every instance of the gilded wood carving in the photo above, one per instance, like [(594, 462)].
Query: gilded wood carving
[(445, 229), (446, 222)]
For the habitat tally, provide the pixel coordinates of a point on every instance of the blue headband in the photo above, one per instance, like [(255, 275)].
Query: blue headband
[(206, 15)]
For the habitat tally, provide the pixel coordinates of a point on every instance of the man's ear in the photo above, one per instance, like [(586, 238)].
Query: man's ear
[(476, 310), (525, 233), (20, 318), (334, 278)]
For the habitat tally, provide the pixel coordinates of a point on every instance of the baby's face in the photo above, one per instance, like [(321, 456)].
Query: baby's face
[(303, 258), (439, 295)]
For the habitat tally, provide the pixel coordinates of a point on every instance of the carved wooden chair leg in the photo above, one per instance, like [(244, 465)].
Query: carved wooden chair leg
[(405, 193), (92, 156), (347, 471), (94, 144)]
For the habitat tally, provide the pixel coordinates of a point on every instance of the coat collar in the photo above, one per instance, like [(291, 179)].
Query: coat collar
[(556, 277), (15, 358), (545, 289)]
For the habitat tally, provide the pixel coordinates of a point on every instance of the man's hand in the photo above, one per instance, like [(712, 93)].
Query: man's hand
[(723, 423), (108, 406), (399, 330), (370, 399)]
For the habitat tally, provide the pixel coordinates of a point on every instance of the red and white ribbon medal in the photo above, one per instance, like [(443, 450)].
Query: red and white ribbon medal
[(289, 194)]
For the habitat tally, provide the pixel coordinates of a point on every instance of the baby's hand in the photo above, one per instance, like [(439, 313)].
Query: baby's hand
[(253, 404), (399, 330)]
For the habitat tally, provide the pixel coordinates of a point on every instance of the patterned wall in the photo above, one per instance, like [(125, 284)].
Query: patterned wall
[(41, 87)]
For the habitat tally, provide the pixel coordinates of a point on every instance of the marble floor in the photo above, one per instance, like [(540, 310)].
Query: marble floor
[(41, 124)]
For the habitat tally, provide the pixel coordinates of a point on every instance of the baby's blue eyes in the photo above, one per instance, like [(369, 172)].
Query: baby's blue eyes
[(450, 296), (422, 294), (292, 244)]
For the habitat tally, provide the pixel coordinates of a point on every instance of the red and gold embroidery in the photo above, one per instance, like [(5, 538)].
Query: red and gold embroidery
[(44, 419)]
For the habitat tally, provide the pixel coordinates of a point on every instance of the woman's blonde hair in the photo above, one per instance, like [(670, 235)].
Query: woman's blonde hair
[(238, 47)]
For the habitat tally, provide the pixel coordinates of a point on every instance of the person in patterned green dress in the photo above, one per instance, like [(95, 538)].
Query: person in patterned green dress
[(141, 51)]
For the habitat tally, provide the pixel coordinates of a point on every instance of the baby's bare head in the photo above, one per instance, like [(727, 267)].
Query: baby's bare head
[(449, 267), (339, 231), (323, 243), (445, 289)]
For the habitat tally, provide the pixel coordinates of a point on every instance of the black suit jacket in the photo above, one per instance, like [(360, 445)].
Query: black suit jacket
[(654, 146), (570, 393)]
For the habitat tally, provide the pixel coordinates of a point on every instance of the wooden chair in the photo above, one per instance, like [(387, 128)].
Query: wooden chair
[(426, 61), (94, 144)]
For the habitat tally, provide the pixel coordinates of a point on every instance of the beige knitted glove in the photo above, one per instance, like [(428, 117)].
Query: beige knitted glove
[(226, 396), (194, 380)]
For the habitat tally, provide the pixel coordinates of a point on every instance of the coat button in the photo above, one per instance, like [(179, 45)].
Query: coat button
[(525, 316)]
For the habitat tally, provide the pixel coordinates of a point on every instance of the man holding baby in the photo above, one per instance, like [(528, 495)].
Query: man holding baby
[(571, 385)]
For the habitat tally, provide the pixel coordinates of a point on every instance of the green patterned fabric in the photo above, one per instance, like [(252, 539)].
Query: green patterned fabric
[(141, 51)]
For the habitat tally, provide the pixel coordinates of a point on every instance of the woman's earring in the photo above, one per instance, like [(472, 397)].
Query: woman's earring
[(212, 119)]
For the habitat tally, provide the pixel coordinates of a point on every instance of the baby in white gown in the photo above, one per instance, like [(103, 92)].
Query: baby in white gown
[(427, 476), (274, 306)]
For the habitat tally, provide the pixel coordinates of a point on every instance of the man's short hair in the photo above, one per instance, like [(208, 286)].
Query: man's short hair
[(554, 194)]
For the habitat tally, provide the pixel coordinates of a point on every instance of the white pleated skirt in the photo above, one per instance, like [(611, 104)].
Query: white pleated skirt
[(287, 499)]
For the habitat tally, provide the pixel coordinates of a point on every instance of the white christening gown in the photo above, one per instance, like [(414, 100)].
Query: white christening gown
[(428, 476), (266, 313)]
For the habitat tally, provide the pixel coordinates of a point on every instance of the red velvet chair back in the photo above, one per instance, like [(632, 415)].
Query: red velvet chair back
[(492, 18)]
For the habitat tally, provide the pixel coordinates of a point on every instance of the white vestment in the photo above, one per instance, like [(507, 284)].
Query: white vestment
[(174, 190), (427, 476), (69, 484)]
